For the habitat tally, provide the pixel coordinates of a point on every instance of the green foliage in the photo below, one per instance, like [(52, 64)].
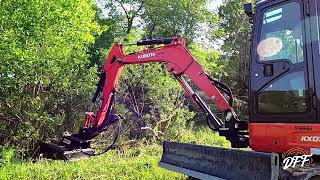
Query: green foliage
[(203, 136), (158, 18), (209, 59), (135, 163), (235, 27), (165, 18), (45, 78), (7, 156)]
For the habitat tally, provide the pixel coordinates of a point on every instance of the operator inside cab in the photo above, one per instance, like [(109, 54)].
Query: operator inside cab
[(281, 40)]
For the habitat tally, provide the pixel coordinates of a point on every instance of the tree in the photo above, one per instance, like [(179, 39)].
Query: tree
[(45, 75), (158, 18), (165, 18), (235, 26)]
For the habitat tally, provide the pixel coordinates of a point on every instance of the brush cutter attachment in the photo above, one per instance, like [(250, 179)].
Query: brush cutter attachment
[(78, 146), (68, 148)]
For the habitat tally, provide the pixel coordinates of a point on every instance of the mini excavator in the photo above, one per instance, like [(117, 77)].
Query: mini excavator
[(284, 95)]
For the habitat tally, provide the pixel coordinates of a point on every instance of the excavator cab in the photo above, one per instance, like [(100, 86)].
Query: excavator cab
[(279, 79), (280, 84), (283, 97)]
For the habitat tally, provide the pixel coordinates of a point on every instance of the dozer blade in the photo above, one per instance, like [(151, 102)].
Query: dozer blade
[(58, 152), (205, 162)]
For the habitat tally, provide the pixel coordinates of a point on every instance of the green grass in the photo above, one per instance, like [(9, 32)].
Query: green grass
[(203, 136), (137, 163), (134, 163)]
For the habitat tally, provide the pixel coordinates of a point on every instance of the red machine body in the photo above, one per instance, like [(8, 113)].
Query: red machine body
[(281, 137)]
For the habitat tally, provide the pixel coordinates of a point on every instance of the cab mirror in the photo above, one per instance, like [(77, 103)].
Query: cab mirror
[(248, 9)]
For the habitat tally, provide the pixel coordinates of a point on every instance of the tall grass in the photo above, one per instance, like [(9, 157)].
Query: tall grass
[(137, 163), (131, 163)]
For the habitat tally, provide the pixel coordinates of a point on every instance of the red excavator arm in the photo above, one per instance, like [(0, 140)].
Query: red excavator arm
[(179, 62)]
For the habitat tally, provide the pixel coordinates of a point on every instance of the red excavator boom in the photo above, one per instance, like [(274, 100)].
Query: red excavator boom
[(180, 63)]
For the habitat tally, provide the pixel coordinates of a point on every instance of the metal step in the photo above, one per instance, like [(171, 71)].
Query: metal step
[(206, 162)]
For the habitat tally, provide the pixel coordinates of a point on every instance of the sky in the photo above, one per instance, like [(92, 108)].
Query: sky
[(214, 4)]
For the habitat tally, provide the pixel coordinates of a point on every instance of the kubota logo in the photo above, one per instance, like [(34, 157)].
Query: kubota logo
[(310, 138), (142, 56)]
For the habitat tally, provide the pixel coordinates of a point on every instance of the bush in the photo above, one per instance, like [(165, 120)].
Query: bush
[(45, 75)]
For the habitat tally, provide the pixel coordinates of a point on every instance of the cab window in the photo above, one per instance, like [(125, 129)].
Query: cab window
[(281, 35)]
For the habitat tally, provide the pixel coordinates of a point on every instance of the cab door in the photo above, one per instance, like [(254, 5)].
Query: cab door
[(282, 83), (314, 14)]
